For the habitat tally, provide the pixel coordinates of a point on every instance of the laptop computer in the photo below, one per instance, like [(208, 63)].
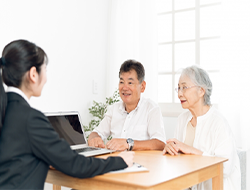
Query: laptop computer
[(68, 126)]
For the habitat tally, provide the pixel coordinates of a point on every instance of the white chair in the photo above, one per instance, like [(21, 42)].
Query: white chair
[(243, 167)]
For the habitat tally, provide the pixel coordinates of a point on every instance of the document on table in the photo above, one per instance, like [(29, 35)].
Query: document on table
[(135, 168)]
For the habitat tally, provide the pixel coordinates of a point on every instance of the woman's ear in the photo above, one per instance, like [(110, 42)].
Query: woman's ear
[(203, 91), (33, 75)]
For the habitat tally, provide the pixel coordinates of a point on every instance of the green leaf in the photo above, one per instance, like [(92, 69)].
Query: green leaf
[(98, 111)]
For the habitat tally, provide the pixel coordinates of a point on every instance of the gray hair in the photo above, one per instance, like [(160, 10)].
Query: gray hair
[(200, 78)]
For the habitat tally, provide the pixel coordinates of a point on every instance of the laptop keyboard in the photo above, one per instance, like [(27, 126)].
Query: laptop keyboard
[(86, 149)]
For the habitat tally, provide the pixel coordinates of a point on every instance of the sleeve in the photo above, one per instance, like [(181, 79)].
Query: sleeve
[(156, 128), (47, 146), (224, 147), (104, 128)]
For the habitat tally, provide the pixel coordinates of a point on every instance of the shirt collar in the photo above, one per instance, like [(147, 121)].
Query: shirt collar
[(18, 91), (122, 106)]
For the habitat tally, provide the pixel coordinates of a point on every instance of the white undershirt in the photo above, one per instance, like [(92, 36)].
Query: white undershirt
[(18, 91), (190, 134)]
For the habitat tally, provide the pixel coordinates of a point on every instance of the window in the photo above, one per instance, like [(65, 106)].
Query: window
[(188, 34)]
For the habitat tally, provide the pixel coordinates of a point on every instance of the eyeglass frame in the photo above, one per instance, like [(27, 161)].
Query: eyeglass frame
[(184, 88)]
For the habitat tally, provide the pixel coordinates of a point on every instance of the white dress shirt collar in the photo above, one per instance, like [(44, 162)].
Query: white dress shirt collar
[(18, 91), (123, 109)]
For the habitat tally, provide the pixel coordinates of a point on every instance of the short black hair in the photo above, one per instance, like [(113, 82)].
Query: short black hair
[(133, 65)]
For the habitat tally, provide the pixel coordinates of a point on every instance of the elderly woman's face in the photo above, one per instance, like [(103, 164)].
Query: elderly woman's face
[(189, 94)]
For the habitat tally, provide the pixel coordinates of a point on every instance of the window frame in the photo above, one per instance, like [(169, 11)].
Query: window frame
[(174, 109)]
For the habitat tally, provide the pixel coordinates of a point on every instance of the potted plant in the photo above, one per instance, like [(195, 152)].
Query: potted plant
[(98, 110)]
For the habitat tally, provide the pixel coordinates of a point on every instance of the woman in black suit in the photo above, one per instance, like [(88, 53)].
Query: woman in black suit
[(28, 143)]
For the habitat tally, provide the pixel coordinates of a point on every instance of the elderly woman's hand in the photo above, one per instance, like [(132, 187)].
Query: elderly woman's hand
[(171, 148), (174, 146)]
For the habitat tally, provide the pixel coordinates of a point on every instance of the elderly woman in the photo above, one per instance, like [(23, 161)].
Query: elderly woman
[(203, 130)]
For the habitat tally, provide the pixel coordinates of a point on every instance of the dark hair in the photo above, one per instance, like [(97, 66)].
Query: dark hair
[(18, 57), (133, 65)]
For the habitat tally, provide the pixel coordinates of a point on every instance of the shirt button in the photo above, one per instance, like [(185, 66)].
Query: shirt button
[(124, 130)]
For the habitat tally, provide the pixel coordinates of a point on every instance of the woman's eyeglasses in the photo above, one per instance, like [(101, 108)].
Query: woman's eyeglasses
[(184, 88)]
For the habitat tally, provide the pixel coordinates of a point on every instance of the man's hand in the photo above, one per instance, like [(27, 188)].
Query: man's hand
[(95, 140), (117, 144)]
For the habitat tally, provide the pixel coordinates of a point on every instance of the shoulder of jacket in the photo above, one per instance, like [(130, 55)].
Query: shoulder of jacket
[(35, 114)]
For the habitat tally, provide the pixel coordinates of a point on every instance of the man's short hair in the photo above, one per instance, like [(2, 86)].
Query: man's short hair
[(133, 65)]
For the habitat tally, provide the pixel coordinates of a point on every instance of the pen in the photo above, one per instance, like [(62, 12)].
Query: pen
[(137, 165)]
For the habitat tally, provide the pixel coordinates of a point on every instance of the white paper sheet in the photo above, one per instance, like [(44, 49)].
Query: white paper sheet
[(135, 168)]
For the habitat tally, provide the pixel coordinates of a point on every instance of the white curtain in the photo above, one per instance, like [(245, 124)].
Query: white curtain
[(235, 69), (132, 35)]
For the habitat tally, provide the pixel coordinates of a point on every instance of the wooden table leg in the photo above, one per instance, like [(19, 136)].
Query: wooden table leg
[(56, 187), (218, 180)]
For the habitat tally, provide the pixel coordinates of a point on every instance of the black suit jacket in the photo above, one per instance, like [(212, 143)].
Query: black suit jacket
[(29, 144)]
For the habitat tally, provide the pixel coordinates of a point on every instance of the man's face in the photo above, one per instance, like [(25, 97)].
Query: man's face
[(130, 88)]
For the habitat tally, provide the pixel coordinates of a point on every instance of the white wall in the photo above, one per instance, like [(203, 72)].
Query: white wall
[(74, 36), (132, 35)]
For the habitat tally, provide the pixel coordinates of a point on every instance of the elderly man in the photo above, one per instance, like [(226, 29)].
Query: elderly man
[(135, 123)]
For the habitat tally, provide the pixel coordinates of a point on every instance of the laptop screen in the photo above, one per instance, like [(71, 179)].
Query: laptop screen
[(68, 127)]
